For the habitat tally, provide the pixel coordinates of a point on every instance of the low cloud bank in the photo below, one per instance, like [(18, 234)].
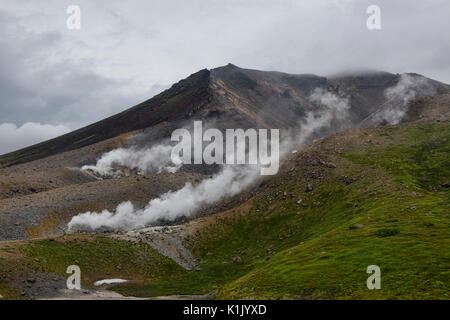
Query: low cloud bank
[(14, 138), (229, 182)]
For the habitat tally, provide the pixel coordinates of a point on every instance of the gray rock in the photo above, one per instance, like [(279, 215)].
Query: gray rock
[(237, 259)]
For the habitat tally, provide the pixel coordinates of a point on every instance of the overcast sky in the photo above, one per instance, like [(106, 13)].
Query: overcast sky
[(54, 79)]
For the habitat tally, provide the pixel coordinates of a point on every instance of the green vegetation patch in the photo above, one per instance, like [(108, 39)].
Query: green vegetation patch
[(99, 258), (382, 206), (312, 250)]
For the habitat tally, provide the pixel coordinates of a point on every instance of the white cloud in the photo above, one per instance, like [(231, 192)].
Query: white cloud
[(13, 137)]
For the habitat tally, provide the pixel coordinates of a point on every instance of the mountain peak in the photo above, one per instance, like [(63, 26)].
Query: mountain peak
[(230, 65), (236, 96)]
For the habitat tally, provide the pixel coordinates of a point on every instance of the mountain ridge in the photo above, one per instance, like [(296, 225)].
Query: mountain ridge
[(233, 97)]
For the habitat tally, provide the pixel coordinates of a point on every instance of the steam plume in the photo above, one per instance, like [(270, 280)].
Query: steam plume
[(170, 205), (155, 159), (229, 182), (408, 87), (332, 116)]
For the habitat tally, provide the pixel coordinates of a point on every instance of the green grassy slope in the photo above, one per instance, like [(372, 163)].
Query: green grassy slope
[(275, 246), (97, 256), (405, 212), (389, 180)]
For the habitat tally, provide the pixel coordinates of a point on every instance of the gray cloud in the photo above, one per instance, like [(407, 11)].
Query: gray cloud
[(127, 51), (41, 81)]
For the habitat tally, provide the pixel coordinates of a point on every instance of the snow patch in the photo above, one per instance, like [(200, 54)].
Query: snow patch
[(109, 281)]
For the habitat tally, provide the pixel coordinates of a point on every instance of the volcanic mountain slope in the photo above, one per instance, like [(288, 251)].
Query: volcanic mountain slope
[(231, 97), (171, 105), (41, 186), (375, 196)]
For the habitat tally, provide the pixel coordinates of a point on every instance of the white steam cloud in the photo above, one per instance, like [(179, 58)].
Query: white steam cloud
[(154, 159), (408, 87), (170, 205), (229, 182), (336, 107), (333, 108)]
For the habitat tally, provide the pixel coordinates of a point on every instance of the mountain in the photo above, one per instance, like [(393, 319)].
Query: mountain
[(171, 105), (371, 189), (308, 233), (231, 97), (51, 188)]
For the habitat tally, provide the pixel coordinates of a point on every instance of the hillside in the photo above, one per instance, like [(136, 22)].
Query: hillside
[(384, 201), (373, 189)]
